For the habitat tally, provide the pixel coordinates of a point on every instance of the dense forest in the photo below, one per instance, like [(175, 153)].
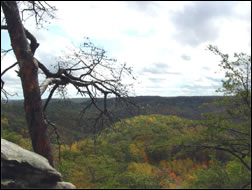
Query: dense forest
[(144, 142), (149, 147), (66, 114)]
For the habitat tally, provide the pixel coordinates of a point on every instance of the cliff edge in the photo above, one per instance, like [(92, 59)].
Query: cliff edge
[(24, 169)]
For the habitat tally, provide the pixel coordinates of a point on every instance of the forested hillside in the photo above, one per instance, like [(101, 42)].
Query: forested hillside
[(105, 139), (66, 114), (146, 151), (149, 152)]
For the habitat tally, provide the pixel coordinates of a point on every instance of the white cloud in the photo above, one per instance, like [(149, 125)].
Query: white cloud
[(142, 34), (12, 83)]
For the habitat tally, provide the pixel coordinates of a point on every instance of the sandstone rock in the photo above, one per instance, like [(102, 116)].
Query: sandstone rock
[(21, 168), (64, 185)]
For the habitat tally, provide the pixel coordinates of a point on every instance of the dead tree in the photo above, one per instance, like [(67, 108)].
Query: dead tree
[(88, 69)]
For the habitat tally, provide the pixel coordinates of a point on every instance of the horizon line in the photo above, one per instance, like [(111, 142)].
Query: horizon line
[(9, 99)]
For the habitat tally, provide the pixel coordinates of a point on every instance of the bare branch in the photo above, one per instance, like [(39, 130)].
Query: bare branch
[(13, 65), (6, 94), (50, 96), (46, 83), (4, 53), (39, 10), (234, 153)]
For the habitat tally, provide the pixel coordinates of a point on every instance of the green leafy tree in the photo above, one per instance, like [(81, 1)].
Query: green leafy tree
[(213, 178), (131, 180), (238, 173), (230, 129)]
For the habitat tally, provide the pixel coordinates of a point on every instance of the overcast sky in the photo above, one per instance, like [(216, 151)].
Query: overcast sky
[(164, 42)]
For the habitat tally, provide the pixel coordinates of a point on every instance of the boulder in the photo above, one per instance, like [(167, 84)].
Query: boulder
[(21, 168)]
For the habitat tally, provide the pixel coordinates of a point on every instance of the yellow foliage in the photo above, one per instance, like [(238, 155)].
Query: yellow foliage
[(65, 147), (172, 186), (104, 142), (173, 164), (26, 143), (134, 150), (74, 147), (190, 177), (188, 163), (81, 179), (138, 150), (150, 120), (4, 121), (142, 168), (188, 180)]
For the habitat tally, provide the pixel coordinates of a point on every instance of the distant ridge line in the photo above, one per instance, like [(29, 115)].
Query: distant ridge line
[(127, 97)]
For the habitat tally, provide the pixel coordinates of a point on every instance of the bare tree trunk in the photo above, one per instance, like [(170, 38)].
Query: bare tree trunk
[(29, 77)]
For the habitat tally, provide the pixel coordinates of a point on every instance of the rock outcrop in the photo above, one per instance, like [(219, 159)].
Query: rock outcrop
[(21, 168)]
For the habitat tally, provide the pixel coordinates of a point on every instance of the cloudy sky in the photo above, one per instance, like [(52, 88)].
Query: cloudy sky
[(164, 42)]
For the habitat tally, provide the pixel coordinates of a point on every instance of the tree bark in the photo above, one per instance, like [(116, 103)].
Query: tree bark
[(29, 77)]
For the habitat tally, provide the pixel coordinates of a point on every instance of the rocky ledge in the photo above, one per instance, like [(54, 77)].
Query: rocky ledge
[(21, 168)]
